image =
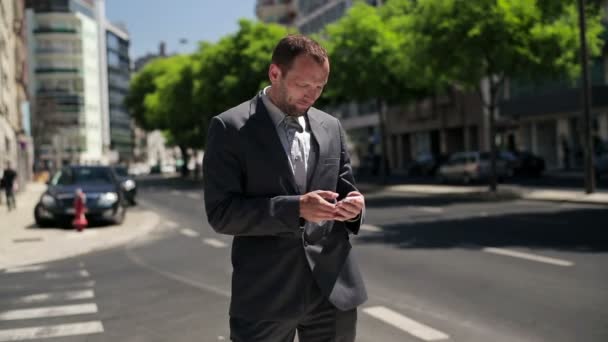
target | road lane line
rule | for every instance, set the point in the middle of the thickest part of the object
(175, 193)
(215, 243)
(50, 311)
(370, 228)
(172, 224)
(528, 256)
(189, 232)
(49, 331)
(434, 210)
(194, 195)
(33, 268)
(55, 296)
(408, 325)
(56, 275)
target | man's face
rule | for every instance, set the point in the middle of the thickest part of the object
(297, 89)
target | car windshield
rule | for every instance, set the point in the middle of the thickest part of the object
(121, 171)
(82, 176)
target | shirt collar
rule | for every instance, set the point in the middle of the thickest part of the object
(276, 115)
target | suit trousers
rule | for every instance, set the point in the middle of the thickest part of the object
(320, 322)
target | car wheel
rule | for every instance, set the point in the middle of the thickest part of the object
(119, 217)
(466, 179)
(40, 222)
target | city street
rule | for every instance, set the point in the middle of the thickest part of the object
(437, 268)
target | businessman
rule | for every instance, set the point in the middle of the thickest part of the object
(277, 177)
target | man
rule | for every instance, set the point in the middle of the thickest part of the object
(277, 177)
(8, 182)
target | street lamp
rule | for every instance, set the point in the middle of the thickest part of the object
(588, 145)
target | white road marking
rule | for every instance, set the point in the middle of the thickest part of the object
(408, 325)
(528, 256)
(194, 195)
(370, 228)
(55, 296)
(175, 192)
(434, 210)
(171, 224)
(33, 268)
(50, 311)
(49, 331)
(215, 243)
(90, 283)
(56, 275)
(189, 232)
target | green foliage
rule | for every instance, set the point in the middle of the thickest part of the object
(367, 60)
(234, 69)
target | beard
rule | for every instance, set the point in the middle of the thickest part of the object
(282, 102)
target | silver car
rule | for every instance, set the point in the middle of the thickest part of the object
(467, 167)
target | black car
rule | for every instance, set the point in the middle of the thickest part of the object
(104, 196)
(528, 164)
(128, 184)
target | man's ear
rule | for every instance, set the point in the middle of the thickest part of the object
(274, 73)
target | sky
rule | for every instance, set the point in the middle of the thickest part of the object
(150, 21)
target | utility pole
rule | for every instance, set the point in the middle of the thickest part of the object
(588, 145)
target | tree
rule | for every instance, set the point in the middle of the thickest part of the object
(471, 42)
(161, 97)
(234, 69)
(368, 62)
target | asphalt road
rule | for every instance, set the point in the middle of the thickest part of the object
(436, 269)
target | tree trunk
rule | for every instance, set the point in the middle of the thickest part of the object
(185, 159)
(384, 168)
(493, 156)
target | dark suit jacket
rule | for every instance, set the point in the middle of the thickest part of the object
(250, 193)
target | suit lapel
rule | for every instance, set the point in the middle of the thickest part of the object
(321, 138)
(265, 132)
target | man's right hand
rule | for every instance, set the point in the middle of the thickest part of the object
(317, 206)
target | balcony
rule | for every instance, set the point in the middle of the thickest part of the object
(57, 70)
(60, 30)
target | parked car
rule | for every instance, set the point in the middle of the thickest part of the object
(528, 164)
(601, 166)
(467, 167)
(426, 165)
(127, 182)
(104, 196)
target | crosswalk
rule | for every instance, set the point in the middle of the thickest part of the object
(46, 303)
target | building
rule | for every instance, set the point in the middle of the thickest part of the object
(282, 12)
(549, 116)
(119, 71)
(15, 139)
(67, 87)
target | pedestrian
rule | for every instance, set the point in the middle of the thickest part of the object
(8, 183)
(277, 177)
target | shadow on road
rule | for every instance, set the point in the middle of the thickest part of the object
(581, 229)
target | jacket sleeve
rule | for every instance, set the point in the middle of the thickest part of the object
(229, 210)
(346, 183)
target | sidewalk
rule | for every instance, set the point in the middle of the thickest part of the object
(23, 243)
(504, 191)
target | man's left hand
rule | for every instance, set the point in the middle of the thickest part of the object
(350, 207)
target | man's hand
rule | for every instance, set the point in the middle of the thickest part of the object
(317, 206)
(350, 207)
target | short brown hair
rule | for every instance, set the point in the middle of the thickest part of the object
(295, 45)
